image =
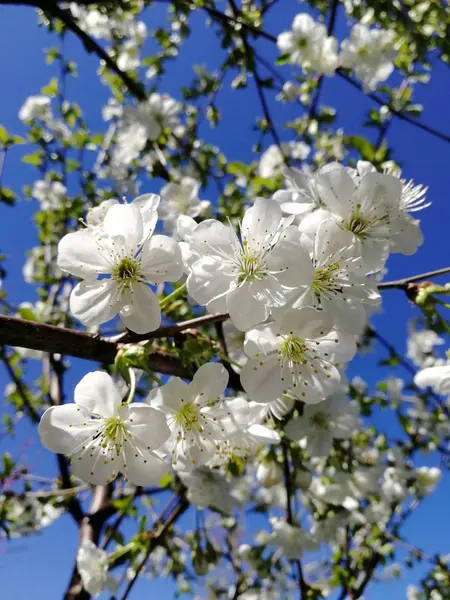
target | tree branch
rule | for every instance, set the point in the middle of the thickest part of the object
(155, 538)
(52, 339)
(90, 529)
(400, 115)
(402, 284)
(302, 584)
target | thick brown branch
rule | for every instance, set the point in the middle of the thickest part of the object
(58, 340)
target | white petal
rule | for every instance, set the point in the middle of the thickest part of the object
(438, 378)
(94, 302)
(305, 323)
(161, 260)
(147, 205)
(290, 263)
(263, 435)
(62, 428)
(320, 444)
(92, 467)
(213, 238)
(98, 394)
(79, 253)
(212, 380)
(207, 281)
(260, 340)
(171, 395)
(261, 379)
(147, 469)
(141, 312)
(337, 190)
(244, 308)
(260, 223)
(125, 221)
(146, 425)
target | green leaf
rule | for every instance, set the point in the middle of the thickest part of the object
(33, 159)
(283, 59)
(3, 136)
(237, 168)
(51, 89)
(27, 314)
(7, 196)
(364, 147)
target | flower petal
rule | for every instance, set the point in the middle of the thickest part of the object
(245, 309)
(211, 380)
(146, 469)
(80, 254)
(169, 397)
(125, 221)
(98, 394)
(261, 379)
(147, 426)
(161, 260)
(260, 223)
(141, 312)
(63, 428)
(94, 302)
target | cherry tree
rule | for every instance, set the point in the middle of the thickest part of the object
(217, 303)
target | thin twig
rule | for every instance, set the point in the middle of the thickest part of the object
(401, 284)
(155, 539)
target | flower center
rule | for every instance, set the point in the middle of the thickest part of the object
(114, 433)
(293, 349)
(320, 420)
(363, 51)
(127, 272)
(251, 267)
(324, 279)
(302, 43)
(187, 417)
(363, 226)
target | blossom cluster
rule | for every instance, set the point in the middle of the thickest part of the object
(369, 52)
(298, 280)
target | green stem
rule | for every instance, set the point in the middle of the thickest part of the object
(228, 360)
(132, 391)
(165, 301)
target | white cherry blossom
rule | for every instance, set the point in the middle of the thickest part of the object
(340, 286)
(208, 488)
(116, 261)
(181, 199)
(145, 122)
(104, 437)
(196, 415)
(247, 277)
(309, 45)
(364, 211)
(336, 418)
(245, 432)
(50, 194)
(291, 539)
(370, 53)
(273, 159)
(300, 195)
(92, 565)
(36, 107)
(295, 355)
(437, 378)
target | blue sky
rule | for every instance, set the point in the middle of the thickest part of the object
(47, 559)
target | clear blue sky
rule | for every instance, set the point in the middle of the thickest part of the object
(38, 568)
